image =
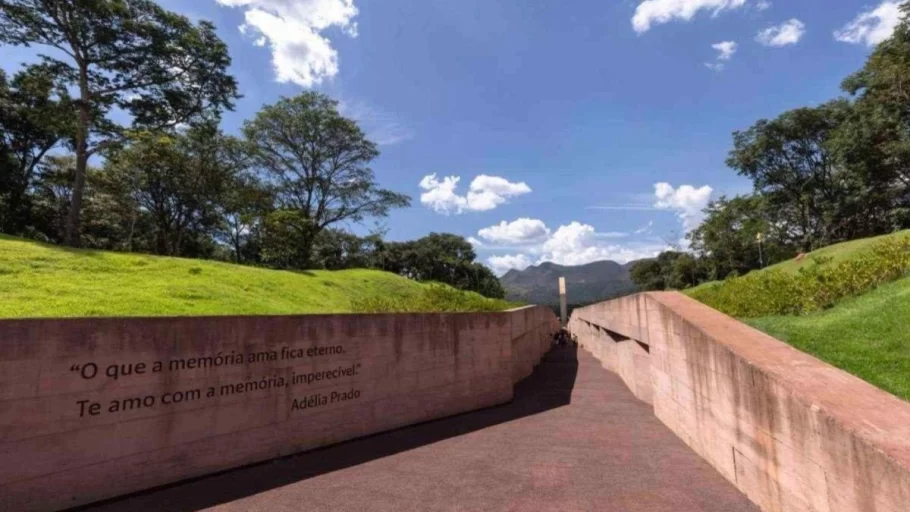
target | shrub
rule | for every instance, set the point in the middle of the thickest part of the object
(434, 299)
(815, 287)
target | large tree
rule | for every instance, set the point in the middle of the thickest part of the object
(319, 165)
(875, 141)
(132, 55)
(33, 120)
(791, 161)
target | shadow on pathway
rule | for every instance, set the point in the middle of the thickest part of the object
(574, 438)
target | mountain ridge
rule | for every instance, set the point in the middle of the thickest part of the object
(592, 282)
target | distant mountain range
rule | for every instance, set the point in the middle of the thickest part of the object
(585, 284)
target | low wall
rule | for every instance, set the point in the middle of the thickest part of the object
(95, 408)
(791, 432)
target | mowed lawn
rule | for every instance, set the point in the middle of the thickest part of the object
(868, 336)
(38, 280)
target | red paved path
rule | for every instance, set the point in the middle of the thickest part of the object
(574, 438)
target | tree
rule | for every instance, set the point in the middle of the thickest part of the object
(727, 240)
(178, 181)
(33, 120)
(791, 162)
(875, 142)
(128, 54)
(669, 270)
(318, 164)
(246, 202)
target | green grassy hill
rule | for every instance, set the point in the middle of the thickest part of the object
(837, 252)
(38, 280)
(867, 335)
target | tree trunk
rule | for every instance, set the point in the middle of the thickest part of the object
(74, 217)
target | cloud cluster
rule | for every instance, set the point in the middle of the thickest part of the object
(571, 244)
(293, 29)
(657, 12)
(485, 193)
(520, 231)
(787, 33)
(872, 27)
(687, 201)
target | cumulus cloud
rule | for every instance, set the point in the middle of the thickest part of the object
(657, 12)
(502, 264)
(520, 231)
(485, 193)
(787, 33)
(725, 52)
(872, 27)
(293, 29)
(579, 244)
(687, 201)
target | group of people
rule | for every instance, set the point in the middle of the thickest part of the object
(562, 338)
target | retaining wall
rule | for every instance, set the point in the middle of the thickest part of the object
(95, 408)
(791, 432)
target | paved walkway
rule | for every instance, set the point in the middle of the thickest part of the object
(574, 438)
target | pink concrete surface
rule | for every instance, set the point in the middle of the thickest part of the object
(573, 439)
(87, 414)
(791, 432)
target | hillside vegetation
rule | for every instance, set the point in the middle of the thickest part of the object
(39, 280)
(867, 336)
(847, 304)
(819, 281)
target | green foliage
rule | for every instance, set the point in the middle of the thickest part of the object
(727, 241)
(133, 55)
(39, 280)
(671, 270)
(318, 163)
(434, 298)
(814, 287)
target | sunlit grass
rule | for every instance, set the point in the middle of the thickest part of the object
(868, 336)
(38, 280)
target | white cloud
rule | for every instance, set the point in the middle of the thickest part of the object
(475, 242)
(763, 5)
(502, 264)
(383, 128)
(726, 49)
(687, 201)
(579, 244)
(788, 32)
(872, 27)
(520, 231)
(485, 193)
(293, 29)
(657, 12)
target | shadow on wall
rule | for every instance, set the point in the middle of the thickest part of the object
(549, 387)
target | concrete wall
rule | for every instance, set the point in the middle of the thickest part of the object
(791, 432)
(94, 408)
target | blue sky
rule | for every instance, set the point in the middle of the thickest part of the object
(565, 116)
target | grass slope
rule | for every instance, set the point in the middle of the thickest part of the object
(38, 280)
(867, 336)
(837, 253)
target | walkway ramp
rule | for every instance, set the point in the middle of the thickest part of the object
(574, 438)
